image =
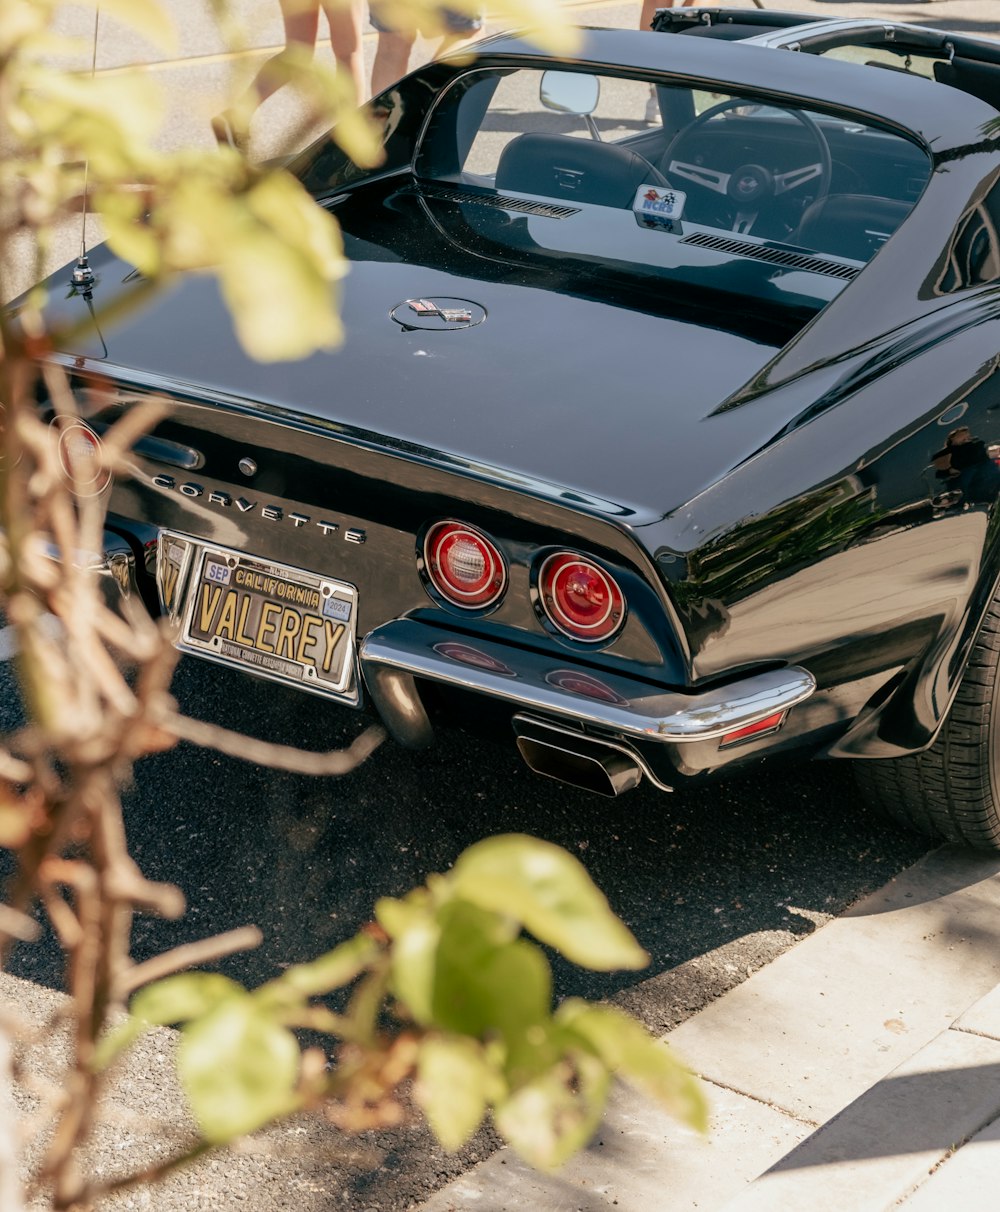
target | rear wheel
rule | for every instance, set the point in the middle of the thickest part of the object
(952, 790)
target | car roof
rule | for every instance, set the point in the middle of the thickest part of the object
(728, 23)
(943, 118)
(768, 26)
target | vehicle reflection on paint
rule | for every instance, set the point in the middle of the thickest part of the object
(967, 469)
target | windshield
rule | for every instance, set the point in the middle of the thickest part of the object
(619, 176)
(678, 157)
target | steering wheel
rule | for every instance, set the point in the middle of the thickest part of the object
(750, 188)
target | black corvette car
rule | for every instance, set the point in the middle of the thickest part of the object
(665, 429)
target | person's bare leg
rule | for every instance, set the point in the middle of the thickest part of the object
(301, 20)
(344, 18)
(392, 56)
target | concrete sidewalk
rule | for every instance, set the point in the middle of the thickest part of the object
(859, 1072)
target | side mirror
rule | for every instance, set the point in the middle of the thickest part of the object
(570, 92)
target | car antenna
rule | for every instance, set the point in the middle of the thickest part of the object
(83, 276)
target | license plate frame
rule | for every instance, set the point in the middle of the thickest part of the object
(274, 620)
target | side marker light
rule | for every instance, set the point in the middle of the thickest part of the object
(769, 724)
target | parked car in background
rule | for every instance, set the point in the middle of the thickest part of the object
(668, 446)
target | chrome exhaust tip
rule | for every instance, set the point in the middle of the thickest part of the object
(575, 759)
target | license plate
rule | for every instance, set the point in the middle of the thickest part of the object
(283, 623)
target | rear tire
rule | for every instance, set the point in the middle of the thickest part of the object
(952, 789)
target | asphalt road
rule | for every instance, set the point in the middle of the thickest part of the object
(713, 883)
(767, 855)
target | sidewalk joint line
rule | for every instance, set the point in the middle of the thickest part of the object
(971, 1031)
(948, 1154)
(925, 1179)
(755, 1098)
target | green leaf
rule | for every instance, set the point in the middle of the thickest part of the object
(176, 999)
(455, 1083)
(397, 916)
(462, 968)
(282, 205)
(131, 240)
(414, 966)
(108, 119)
(628, 1049)
(507, 990)
(356, 132)
(330, 971)
(366, 1005)
(182, 997)
(238, 1068)
(281, 307)
(533, 1052)
(23, 23)
(281, 259)
(547, 1120)
(546, 889)
(541, 21)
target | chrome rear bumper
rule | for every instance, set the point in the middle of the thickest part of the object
(394, 655)
(114, 567)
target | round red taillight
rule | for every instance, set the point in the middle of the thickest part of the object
(579, 598)
(464, 566)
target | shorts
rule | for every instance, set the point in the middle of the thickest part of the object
(454, 23)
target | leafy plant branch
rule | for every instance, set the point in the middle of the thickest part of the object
(443, 995)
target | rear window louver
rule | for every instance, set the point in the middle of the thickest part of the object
(774, 256)
(498, 202)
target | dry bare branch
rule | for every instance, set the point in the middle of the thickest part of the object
(190, 955)
(19, 926)
(277, 757)
(92, 1192)
(13, 769)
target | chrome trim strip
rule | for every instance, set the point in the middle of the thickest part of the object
(134, 381)
(638, 710)
(114, 565)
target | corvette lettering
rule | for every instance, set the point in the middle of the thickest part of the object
(269, 513)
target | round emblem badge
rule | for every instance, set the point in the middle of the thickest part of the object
(81, 460)
(438, 315)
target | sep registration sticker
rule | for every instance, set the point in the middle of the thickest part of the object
(658, 204)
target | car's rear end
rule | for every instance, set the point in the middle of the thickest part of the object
(466, 505)
(296, 528)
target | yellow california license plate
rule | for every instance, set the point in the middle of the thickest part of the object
(281, 622)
